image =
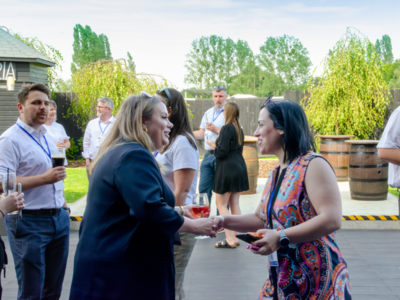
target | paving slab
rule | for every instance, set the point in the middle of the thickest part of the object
(238, 274)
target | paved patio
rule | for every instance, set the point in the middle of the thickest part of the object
(237, 274)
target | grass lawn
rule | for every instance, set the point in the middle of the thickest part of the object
(76, 184)
(394, 191)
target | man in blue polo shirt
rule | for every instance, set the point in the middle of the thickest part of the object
(210, 126)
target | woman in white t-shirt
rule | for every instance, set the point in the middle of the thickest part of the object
(179, 162)
(56, 130)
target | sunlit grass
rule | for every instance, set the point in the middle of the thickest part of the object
(76, 184)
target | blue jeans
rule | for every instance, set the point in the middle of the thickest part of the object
(39, 245)
(207, 171)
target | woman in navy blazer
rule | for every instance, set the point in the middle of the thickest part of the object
(125, 250)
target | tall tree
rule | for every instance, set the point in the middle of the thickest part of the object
(131, 63)
(351, 96)
(211, 62)
(287, 58)
(384, 49)
(88, 47)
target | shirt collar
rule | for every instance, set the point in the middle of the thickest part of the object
(31, 130)
(219, 110)
(110, 120)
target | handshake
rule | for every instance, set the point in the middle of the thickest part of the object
(200, 224)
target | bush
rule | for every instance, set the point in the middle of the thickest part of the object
(73, 152)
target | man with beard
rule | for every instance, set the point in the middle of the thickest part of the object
(97, 130)
(39, 240)
(210, 126)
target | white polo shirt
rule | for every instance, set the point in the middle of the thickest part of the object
(215, 117)
(391, 139)
(57, 132)
(95, 133)
(181, 155)
(21, 154)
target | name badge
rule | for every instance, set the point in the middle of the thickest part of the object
(59, 185)
(99, 141)
(273, 259)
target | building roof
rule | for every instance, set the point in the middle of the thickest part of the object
(12, 49)
(241, 96)
(199, 92)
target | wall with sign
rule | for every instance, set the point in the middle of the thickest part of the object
(23, 73)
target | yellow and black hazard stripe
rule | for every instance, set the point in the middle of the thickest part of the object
(344, 218)
(370, 218)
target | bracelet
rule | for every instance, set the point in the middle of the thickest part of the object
(2, 213)
(183, 211)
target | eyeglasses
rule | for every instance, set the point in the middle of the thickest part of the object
(166, 92)
(101, 107)
(220, 87)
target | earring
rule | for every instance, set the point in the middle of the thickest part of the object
(145, 130)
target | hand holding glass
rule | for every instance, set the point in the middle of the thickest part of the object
(58, 157)
(202, 210)
(9, 184)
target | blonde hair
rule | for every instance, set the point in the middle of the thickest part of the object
(232, 116)
(128, 125)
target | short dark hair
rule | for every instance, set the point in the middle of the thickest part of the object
(289, 117)
(27, 88)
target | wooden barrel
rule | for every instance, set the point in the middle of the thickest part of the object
(368, 174)
(336, 151)
(250, 155)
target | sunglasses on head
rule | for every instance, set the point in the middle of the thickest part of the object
(166, 92)
(146, 94)
(220, 87)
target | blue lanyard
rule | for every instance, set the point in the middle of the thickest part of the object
(48, 153)
(102, 131)
(155, 154)
(214, 118)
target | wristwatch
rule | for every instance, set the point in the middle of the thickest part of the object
(283, 240)
(67, 209)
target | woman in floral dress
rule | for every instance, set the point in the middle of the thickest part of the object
(301, 203)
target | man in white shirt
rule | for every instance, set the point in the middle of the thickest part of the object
(389, 149)
(98, 129)
(210, 126)
(40, 240)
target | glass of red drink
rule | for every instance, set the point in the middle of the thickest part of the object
(201, 210)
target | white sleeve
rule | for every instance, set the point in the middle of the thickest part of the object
(391, 135)
(9, 158)
(65, 136)
(184, 155)
(86, 142)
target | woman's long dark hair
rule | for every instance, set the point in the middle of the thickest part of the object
(289, 117)
(179, 116)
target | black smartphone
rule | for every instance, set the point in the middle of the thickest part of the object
(247, 237)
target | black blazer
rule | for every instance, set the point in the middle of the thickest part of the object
(125, 248)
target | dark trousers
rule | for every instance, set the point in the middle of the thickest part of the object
(39, 245)
(207, 171)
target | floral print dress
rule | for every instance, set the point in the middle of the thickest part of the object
(313, 270)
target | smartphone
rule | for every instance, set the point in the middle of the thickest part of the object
(249, 237)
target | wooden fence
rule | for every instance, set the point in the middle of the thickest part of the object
(249, 110)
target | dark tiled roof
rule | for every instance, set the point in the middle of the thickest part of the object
(12, 49)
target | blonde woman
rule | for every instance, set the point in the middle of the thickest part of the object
(125, 249)
(231, 173)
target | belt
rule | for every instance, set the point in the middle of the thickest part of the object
(41, 212)
(210, 151)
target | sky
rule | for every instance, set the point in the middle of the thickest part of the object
(159, 33)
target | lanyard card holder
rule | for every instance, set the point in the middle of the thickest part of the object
(273, 258)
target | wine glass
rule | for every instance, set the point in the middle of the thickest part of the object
(202, 209)
(9, 184)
